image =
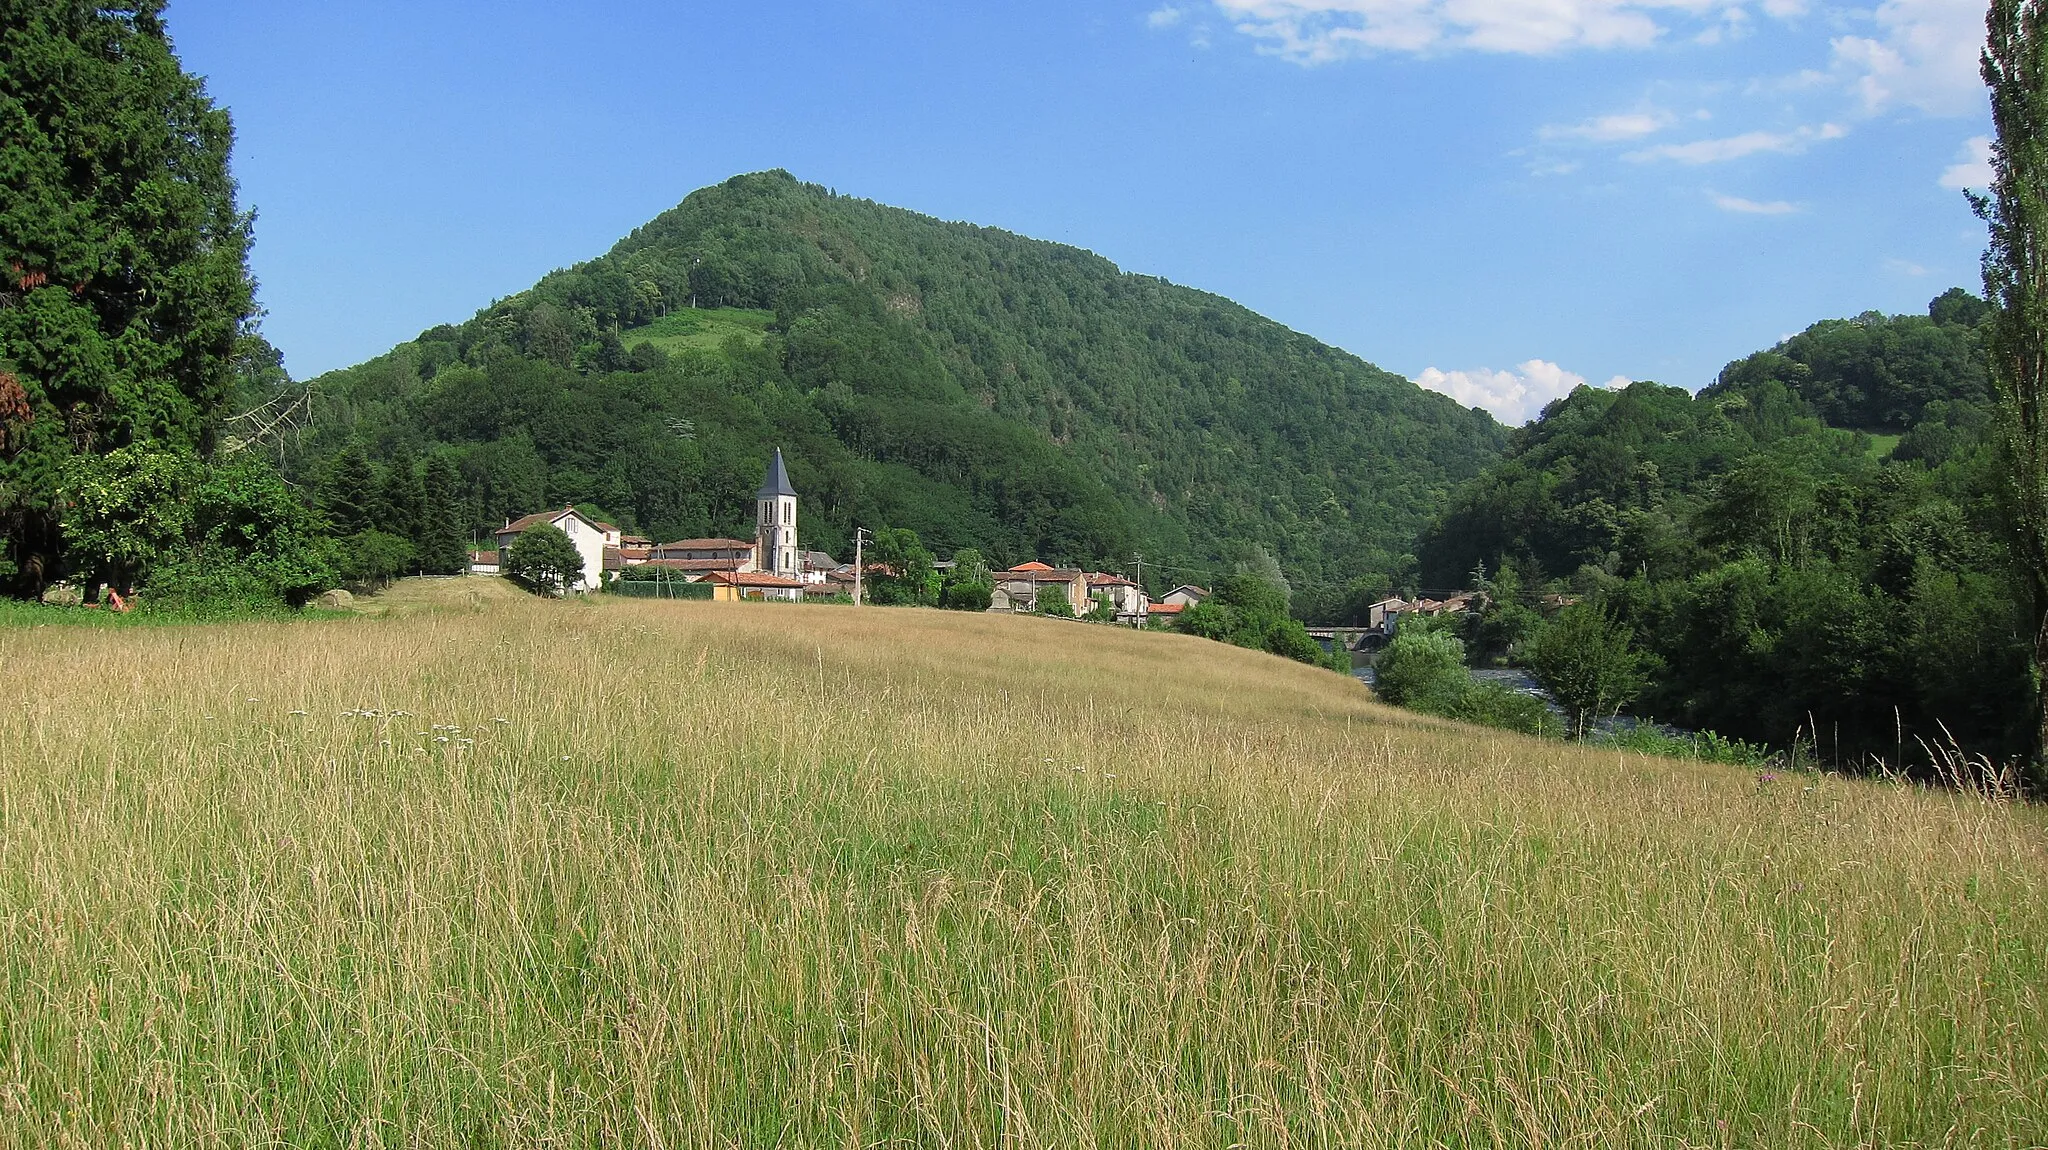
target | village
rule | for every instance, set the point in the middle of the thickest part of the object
(773, 566)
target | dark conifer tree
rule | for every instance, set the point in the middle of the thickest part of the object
(123, 273)
(348, 492)
(401, 499)
(443, 545)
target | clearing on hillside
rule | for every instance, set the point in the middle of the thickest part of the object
(526, 873)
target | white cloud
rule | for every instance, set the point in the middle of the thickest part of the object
(1752, 207)
(1974, 169)
(1904, 267)
(1514, 397)
(1925, 56)
(1736, 147)
(1164, 17)
(1321, 31)
(1611, 128)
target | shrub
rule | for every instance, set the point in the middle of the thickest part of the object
(1288, 639)
(1052, 600)
(1423, 670)
(1494, 705)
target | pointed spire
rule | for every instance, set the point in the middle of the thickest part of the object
(776, 482)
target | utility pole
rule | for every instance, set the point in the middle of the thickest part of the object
(859, 568)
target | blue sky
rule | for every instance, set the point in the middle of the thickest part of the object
(1497, 198)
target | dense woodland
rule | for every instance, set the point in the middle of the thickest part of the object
(982, 389)
(1809, 549)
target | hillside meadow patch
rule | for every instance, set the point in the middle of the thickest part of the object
(491, 871)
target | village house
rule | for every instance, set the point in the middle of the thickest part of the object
(1164, 613)
(1018, 589)
(732, 586)
(738, 552)
(590, 537)
(1185, 595)
(1126, 598)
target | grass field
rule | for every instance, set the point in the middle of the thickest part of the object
(701, 328)
(488, 871)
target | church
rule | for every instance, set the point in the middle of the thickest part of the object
(772, 566)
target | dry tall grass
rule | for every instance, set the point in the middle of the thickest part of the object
(683, 874)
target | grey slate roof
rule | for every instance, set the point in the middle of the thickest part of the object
(776, 482)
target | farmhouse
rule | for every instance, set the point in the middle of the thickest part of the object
(590, 537)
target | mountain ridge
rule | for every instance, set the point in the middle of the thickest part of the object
(1022, 396)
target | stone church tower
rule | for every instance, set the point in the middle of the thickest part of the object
(775, 549)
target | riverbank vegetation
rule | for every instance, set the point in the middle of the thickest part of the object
(597, 873)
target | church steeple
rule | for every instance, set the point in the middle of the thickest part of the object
(775, 548)
(776, 482)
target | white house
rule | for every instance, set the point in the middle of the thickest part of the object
(589, 536)
(1125, 597)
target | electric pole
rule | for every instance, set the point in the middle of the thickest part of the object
(859, 568)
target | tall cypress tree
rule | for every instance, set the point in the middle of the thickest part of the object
(2015, 66)
(123, 257)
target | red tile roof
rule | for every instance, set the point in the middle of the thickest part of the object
(1034, 565)
(1036, 573)
(752, 579)
(695, 564)
(709, 545)
(1165, 608)
(483, 557)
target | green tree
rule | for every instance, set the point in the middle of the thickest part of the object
(372, 559)
(968, 586)
(127, 509)
(543, 559)
(123, 276)
(2015, 66)
(247, 523)
(1052, 600)
(1422, 669)
(1589, 663)
(910, 580)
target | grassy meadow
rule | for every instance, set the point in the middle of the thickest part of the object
(488, 871)
(702, 329)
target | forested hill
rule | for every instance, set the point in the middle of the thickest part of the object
(1811, 544)
(980, 387)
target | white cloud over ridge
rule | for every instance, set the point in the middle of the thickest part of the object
(1514, 397)
(1973, 170)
